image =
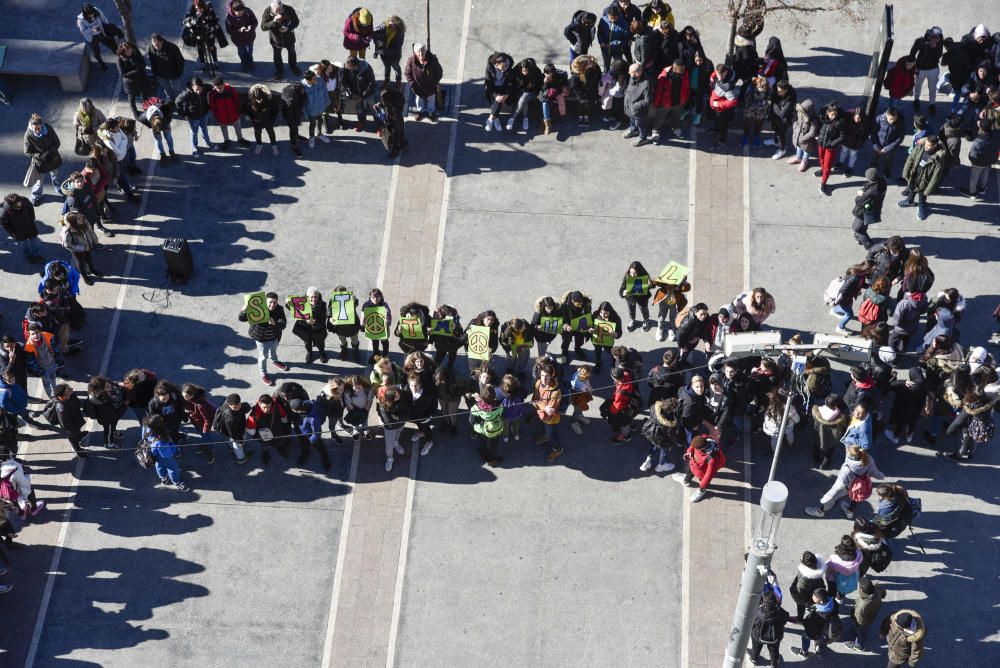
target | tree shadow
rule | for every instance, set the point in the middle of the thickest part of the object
(831, 61)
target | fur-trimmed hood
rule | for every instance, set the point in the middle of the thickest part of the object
(813, 573)
(840, 421)
(918, 635)
(662, 417)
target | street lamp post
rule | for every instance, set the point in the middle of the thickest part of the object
(773, 497)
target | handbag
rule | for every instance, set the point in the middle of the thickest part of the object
(31, 176)
(81, 147)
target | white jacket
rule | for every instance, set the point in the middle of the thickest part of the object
(117, 141)
(91, 28)
(20, 479)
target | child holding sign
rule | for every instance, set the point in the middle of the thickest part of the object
(344, 321)
(414, 320)
(446, 333)
(575, 305)
(311, 329)
(517, 341)
(607, 327)
(473, 355)
(635, 290)
(546, 323)
(378, 337)
(669, 298)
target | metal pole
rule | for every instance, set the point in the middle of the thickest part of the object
(781, 438)
(429, 25)
(773, 497)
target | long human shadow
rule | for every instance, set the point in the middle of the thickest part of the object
(831, 61)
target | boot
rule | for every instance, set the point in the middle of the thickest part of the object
(548, 126)
(343, 353)
(356, 354)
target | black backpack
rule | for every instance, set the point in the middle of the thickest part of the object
(881, 558)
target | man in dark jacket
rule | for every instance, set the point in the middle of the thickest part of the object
(887, 135)
(927, 51)
(695, 327)
(80, 197)
(192, 104)
(132, 69)
(868, 206)
(888, 259)
(41, 144)
(17, 215)
(241, 24)
(904, 633)
(167, 64)
(923, 172)
(66, 412)
(580, 33)
(231, 421)
(781, 113)
(293, 101)
(692, 405)
(423, 72)
(768, 629)
(280, 21)
(638, 97)
(359, 86)
(646, 47)
(982, 157)
(267, 335)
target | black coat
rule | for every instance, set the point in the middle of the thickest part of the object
(420, 408)
(231, 423)
(133, 72)
(70, 414)
(44, 150)
(871, 198)
(783, 107)
(831, 133)
(492, 87)
(172, 411)
(691, 330)
(692, 407)
(293, 101)
(769, 625)
(360, 84)
(579, 36)
(166, 63)
(192, 105)
(264, 331)
(289, 19)
(20, 225)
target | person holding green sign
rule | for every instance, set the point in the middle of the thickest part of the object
(607, 327)
(312, 331)
(412, 327)
(669, 300)
(379, 346)
(574, 305)
(344, 321)
(517, 339)
(484, 319)
(446, 334)
(267, 335)
(635, 289)
(546, 323)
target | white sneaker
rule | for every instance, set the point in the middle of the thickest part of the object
(496, 124)
(778, 155)
(324, 139)
(655, 136)
(517, 437)
(489, 125)
(388, 464)
(577, 429)
(671, 335)
(698, 495)
(274, 150)
(312, 142)
(427, 448)
(258, 149)
(399, 449)
(584, 419)
(847, 510)
(678, 133)
(843, 332)
(510, 124)
(524, 123)
(646, 465)
(665, 467)
(891, 436)
(506, 439)
(679, 478)
(660, 334)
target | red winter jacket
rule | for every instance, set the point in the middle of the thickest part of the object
(620, 399)
(201, 413)
(705, 464)
(899, 80)
(664, 89)
(225, 106)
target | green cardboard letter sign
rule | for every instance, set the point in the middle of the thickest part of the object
(342, 309)
(442, 327)
(636, 286)
(550, 324)
(411, 328)
(255, 306)
(375, 323)
(604, 333)
(479, 342)
(582, 323)
(673, 274)
(302, 309)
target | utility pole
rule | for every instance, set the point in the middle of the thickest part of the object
(773, 497)
(428, 7)
(125, 9)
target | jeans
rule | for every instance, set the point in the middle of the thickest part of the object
(279, 67)
(882, 162)
(802, 155)
(920, 197)
(168, 468)
(848, 156)
(643, 304)
(931, 77)
(551, 434)
(640, 125)
(39, 185)
(265, 350)
(979, 179)
(663, 455)
(522, 105)
(171, 88)
(49, 381)
(196, 124)
(426, 105)
(820, 643)
(158, 138)
(518, 360)
(391, 437)
(846, 312)
(245, 52)
(30, 247)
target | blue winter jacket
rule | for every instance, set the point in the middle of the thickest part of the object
(312, 422)
(317, 99)
(859, 434)
(163, 450)
(887, 135)
(13, 398)
(72, 276)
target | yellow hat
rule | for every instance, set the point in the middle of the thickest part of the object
(365, 17)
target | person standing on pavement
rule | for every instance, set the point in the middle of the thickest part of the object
(139, 385)
(132, 69)
(423, 73)
(904, 632)
(293, 104)
(868, 206)
(580, 33)
(638, 98)
(317, 100)
(822, 615)
(280, 21)
(267, 336)
(781, 115)
(723, 101)
(886, 137)
(164, 452)
(358, 31)
(112, 134)
(41, 145)
(768, 629)
(619, 410)
(167, 65)
(867, 603)
(313, 330)
(486, 418)
(231, 421)
(388, 38)
(923, 172)
(671, 99)
(359, 86)
(704, 458)
(79, 239)
(391, 412)
(546, 399)
(982, 156)
(927, 52)
(241, 24)
(96, 30)
(224, 102)
(828, 141)
(17, 216)
(65, 412)
(106, 405)
(201, 414)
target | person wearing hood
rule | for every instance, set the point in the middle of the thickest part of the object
(17, 216)
(781, 114)
(664, 432)
(500, 87)
(904, 633)
(979, 42)
(974, 423)
(241, 24)
(768, 629)
(927, 51)
(723, 100)
(875, 552)
(41, 145)
(804, 132)
(808, 578)
(280, 21)
(166, 62)
(704, 458)
(830, 422)
(656, 12)
(157, 118)
(773, 66)
(820, 619)
(580, 33)
(910, 395)
(261, 107)
(868, 206)
(358, 31)
(868, 602)
(828, 141)
(982, 156)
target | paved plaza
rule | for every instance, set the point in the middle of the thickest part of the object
(443, 561)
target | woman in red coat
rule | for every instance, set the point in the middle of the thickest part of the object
(224, 102)
(358, 32)
(619, 412)
(704, 458)
(899, 80)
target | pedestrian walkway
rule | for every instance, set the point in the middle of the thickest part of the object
(714, 529)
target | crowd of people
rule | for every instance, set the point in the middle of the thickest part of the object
(652, 78)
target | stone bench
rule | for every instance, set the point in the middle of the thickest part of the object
(37, 57)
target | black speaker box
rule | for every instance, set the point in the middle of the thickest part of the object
(180, 264)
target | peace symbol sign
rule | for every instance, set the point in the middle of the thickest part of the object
(479, 343)
(375, 323)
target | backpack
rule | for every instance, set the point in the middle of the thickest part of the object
(634, 403)
(980, 429)
(8, 493)
(765, 634)
(144, 453)
(832, 293)
(491, 423)
(50, 414)
(860, 488)
(868, 313)
(881, 558)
